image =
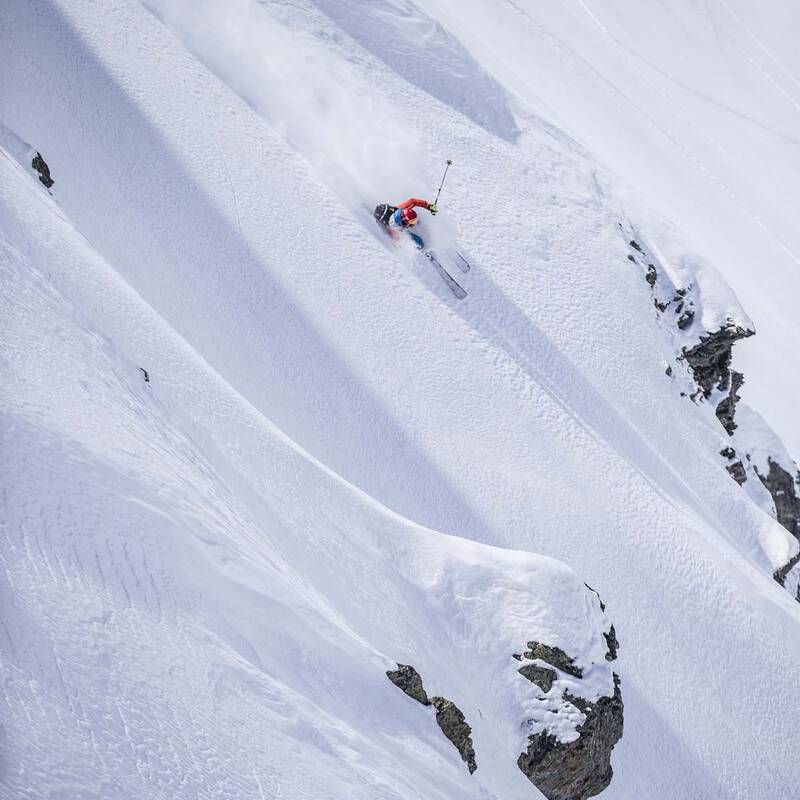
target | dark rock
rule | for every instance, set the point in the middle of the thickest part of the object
(554, 656)
(651, 275)
(581, 768)
(710, 362)
(405, 677)
(781, 485)
(635, 245)
(726, 409)
(668, 371)
(613, 644)
(455, 728)
(737, 472)
(736, 468)
(631, 258)
(145, 374)
(448, 716)
(710, 359)
(783, 489)
(41, 167)
(541, 676)
(582, 705)
(686, 319)
(662, 307)
(685, 308)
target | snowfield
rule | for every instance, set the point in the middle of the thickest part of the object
(254, 457)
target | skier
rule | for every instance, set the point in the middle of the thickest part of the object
(394, 219)
(401, 218)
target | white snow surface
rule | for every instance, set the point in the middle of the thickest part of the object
(760, 442)
(336, 466)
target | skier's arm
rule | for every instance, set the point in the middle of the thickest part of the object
(415, 201)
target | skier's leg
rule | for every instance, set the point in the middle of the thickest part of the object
(417, 240)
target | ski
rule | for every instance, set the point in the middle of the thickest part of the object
(462, 263)
(454, 286)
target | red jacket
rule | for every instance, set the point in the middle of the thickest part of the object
(414, 201)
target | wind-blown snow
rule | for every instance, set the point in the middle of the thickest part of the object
(336, 466)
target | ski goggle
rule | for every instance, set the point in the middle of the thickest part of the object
(412, 221)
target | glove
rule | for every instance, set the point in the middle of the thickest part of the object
(432, 208)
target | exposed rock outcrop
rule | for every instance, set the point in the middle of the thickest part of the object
(405, 677)
(783, 488)
(455, 728)
(553, 655)
(573, 718)
(710, 362)
(709, 359)
(541, 676)
(735, 466)
(449, 717)
(613, 644)
(581, 768)
(40, 165)
(726, 409)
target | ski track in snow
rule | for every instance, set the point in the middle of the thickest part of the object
(208, 574)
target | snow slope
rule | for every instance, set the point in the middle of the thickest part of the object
(176, 627)
(335, 466)
(697, 106)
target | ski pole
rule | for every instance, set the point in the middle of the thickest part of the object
(449, 162)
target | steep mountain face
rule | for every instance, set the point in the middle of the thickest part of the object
(282, 517)
(709, 361)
